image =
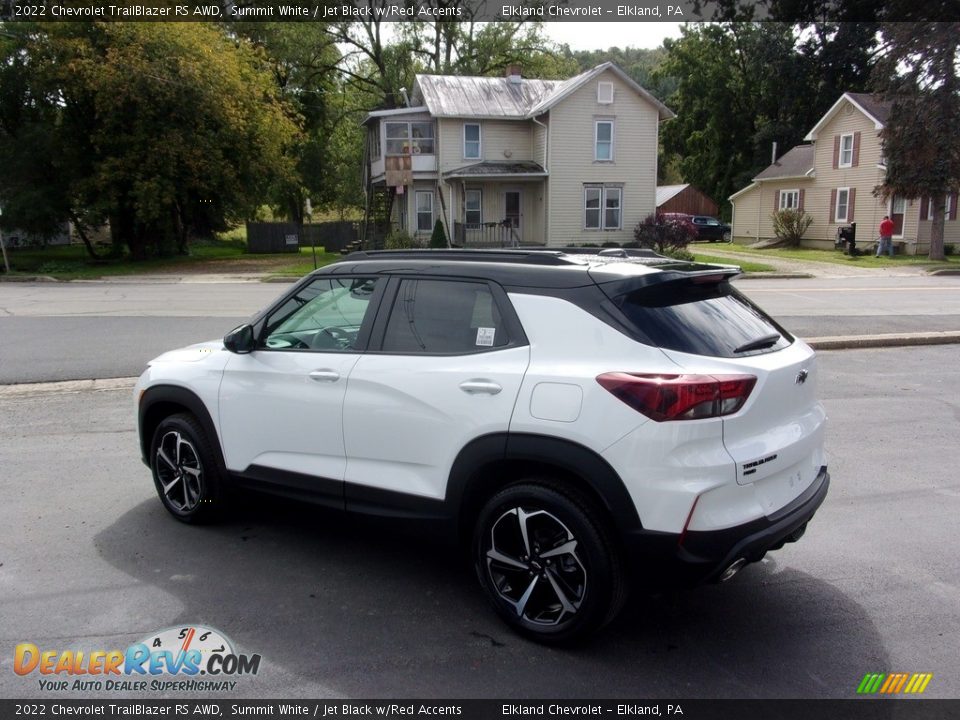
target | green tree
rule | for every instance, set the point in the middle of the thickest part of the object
(918, 70)
(166, 130)
(742, 86)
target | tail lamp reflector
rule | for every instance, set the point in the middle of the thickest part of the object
(680, 397)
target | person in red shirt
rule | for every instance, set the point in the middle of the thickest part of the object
(886, 236)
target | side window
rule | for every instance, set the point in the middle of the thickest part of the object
(444, 317)
(325, 315)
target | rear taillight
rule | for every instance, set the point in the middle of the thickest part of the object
(680, 397)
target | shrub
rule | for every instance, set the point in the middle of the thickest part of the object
(680, 254)
(949, 249)
(790, 225)
(438, 239)
(398, 240)
(661, 233)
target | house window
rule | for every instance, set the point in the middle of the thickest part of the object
(602, 207)
(789, 199)
(603, 140)
(398, 138)
(375, 143)
(473, 208)
(846, 151)
(604, 93)
(424, 211)
(843, 205)
(471, 141)
(931, 206)
(421, 138)
(409, 138)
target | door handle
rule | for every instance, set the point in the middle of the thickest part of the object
(480, 387)
(324, 375)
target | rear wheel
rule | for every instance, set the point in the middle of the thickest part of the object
(185, 471)
(547, 563)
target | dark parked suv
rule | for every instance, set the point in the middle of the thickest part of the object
(708, 228)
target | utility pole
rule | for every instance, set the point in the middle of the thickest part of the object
(3, 248)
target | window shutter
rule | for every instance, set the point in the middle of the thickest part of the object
(856, 149)
(953, 206)
(836, 152)
(924, 208)
(776, 201)
(833, 206)
(800, 200)
(851, 201)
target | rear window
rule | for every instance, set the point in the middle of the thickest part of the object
(703, 319)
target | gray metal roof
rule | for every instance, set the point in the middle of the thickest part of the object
(501, 97)
(488, 169)
(874, 105)
(480, 97)
(796, 162)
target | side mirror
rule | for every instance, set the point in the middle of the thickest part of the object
(240, 340)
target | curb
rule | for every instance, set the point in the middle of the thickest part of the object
(943, 271)
(67, 386)
(855, 342)
(775, 275)
(28, 278)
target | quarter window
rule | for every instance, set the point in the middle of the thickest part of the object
(471, 141)
(603, 140)
(444, 317)
(325, 315)
(424, 211)
(846, 151)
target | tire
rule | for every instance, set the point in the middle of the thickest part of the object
(727, 237)
(185, 471)
(547, 562)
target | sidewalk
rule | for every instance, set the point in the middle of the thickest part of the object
(812, 268)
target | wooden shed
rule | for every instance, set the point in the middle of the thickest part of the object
(684, 199)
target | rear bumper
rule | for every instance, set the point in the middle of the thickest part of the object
(698, 557)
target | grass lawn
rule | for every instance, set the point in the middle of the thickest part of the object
(71, 262)
(838, 258)
(745, 265)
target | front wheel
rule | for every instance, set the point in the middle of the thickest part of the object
(728, 237)
(547, 562)
(185, 472)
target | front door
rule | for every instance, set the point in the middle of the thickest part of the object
(513, 215)
(897, 206)
(281, 405)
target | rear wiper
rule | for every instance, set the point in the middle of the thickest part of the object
(763, 341)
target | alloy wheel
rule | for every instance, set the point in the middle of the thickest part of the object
(180, 472)
(533, 565)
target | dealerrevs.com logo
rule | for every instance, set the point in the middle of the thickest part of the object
(193, 658)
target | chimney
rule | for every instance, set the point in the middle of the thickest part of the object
(773, 154)
(513, 73)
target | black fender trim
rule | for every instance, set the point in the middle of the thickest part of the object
(565, 455)
(171, 396)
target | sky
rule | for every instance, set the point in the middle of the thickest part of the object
(602, 35)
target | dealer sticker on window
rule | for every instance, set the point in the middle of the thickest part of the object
(485, 336)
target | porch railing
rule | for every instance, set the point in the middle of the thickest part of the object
(485, 235)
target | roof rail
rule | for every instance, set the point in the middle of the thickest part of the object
(523, 256)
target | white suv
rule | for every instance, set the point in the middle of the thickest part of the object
(576, 419)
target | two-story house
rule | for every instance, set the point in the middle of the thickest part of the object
(510, 160)
(832, 179)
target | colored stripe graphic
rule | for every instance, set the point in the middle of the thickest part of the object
(894, 683)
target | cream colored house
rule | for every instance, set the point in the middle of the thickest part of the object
(510, 160)
(832, 178)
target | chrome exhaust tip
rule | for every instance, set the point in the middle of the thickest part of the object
(734, 568)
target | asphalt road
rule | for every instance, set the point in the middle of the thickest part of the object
(74, 331)
(340, 607)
